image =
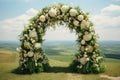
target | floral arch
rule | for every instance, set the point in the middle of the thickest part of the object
(32, 57)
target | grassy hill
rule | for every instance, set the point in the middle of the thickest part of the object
(60, 54)
(111, 49)
(59, 70)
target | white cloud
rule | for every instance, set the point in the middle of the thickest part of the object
(31, 12)
(60, 33)
(111, 10)
(11, 28)
(107, 23)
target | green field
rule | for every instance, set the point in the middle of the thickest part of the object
(59, 70)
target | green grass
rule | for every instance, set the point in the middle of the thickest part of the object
(59, 70)
(112, 68)
(64, 58)
(112, 60)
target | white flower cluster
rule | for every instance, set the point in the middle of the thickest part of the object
(84, 24)
(87, 37)
(33, 34)
(18, 50)
(37, 45)
(36, 56)
(73, 12)
(89, 49)
(78, 21)
(27, 45)
(30, 53)
(64, 8)
(80, 17)
(52, 12)
(42, 18)
(84, 59)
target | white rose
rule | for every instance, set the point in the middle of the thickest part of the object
(42, 18)
(27, 45)
(76, 23)
(83, 60)
(33, 34)
(80, 17)
(64, 8)
(89, 49)
(37, 45)
(87, 37)
(83, 42)
(52, 12)
(30, 53)
(84, 24)
(18, 49)
(73, 12)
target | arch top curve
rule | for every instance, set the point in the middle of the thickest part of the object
(59, 14)
(31, 52)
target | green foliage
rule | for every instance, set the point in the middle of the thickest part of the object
(31, 65)
(95, 68)
(39, 67)
(73, 65)
(102, 68)
(86, 68)
(46, 67)
(78, 9)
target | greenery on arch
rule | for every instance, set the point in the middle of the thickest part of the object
(32, 57)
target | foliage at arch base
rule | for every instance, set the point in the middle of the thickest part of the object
(33, 59)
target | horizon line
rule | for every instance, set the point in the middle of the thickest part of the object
(50, 40)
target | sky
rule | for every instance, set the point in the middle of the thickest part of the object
(14, 14)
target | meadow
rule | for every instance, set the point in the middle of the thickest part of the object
(59, 58)
(59, 70)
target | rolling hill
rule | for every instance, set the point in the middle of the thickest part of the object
(111, 49)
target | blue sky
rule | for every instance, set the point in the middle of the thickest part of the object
(105, 14)
(13, 8)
